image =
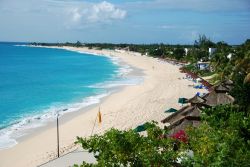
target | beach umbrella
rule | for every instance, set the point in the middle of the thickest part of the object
(198, 94)
(171, 110)
(182, 100)
(140, 128)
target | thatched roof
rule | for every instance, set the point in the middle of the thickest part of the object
(184, 122)
(182, 113)
(186, 116)
(192, 111)
(196, 100)
(175, 114)
(190, 115)
(228, 82)
(214, 98)
(221, 88)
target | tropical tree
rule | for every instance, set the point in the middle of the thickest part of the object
(179, 53)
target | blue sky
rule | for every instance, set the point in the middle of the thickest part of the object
(130, 21)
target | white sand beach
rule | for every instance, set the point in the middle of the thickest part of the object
(127, 108)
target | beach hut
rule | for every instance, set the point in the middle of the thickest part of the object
(221, 89)
(183, 112)
(216, 98)
(228, 84)
(170, 110)
(192, 111)
(218, 95)
(189, 117)
(174, 115)
(196, 100)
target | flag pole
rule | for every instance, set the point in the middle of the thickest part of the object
(97, 116)
(57, 125)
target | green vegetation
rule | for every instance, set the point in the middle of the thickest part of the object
(223, 138)
(128, 148)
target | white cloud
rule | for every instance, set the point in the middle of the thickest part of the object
(76, 16)
(167, 26)
(105, 11)
(102, 12)
(180, 27)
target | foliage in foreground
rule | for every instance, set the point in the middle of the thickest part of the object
(128, 148)
(223, 139)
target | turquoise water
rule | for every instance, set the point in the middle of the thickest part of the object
(36, 83)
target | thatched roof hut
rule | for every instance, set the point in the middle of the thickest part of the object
(215, 98)
(175, 114)
(192, 111)
(188, 117)
(228, 84)
(182, 113)
(221, 89)
(218, 95)
(196, 100)
(183, 123)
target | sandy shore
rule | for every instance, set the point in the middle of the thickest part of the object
(127, 108)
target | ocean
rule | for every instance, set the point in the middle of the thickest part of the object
(37, 83)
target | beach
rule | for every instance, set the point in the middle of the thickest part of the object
(127, 108)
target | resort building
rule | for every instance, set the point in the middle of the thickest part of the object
(186, 51)
(211, 51)
(203, 65)
(229, 56)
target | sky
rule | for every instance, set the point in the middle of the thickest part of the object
(124, 21)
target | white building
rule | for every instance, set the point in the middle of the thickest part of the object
(186, 51)
(229, 56)
(211, 50)
(203, 65)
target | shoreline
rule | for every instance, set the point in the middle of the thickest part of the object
(65, 117)
(125, 75)
(130, 106)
